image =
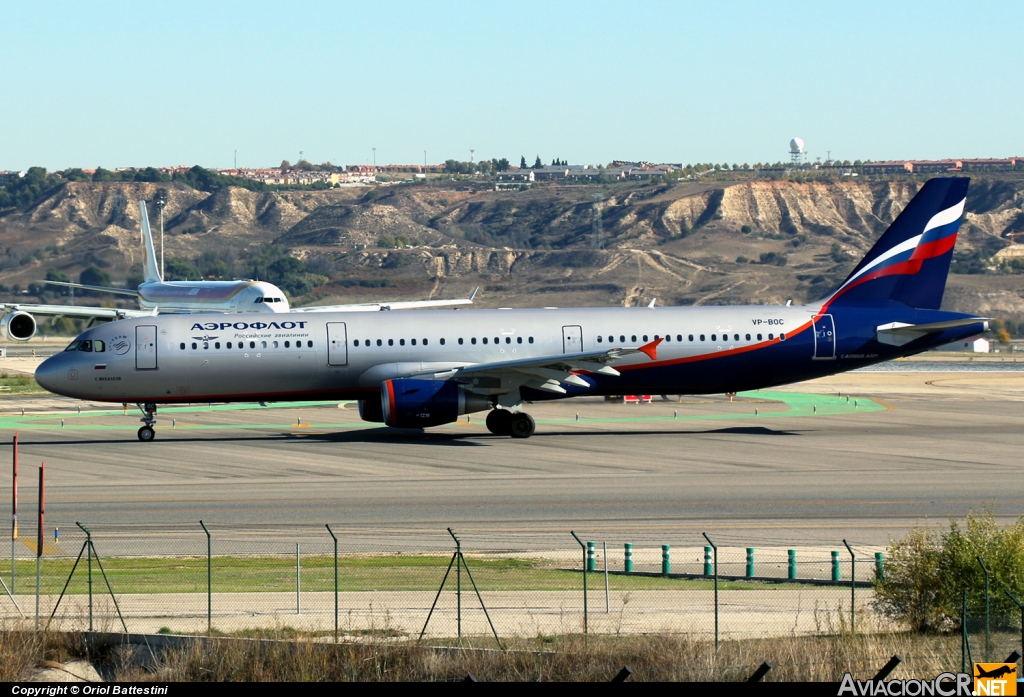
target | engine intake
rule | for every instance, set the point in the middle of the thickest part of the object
(412, 403)
(18, 325)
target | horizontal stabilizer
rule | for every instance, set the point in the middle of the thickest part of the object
(900, 333)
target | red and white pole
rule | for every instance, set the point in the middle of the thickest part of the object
(39, 540)
(14, 508)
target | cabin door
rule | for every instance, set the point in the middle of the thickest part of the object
(824, 338)
(337, 344)
(145, 347)
(572, 339)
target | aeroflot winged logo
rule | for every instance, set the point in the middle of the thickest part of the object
(222, 326)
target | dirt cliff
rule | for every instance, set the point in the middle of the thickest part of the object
(683, 243)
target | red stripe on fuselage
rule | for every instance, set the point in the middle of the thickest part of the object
(716, 354)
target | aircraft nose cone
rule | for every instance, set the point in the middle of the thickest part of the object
(51, 374)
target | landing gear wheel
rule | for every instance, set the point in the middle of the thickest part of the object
(522, 426)
(146, 434)
(499, 422)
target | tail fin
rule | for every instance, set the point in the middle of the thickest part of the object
(152, 268)
(910, 262)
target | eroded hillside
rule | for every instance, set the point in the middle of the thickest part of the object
(683, 243)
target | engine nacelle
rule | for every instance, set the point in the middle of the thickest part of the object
(412, 403)
(371, 410)
(18, 325)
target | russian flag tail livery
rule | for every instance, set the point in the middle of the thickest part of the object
(910, 263)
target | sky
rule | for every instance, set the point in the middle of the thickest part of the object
(119, 84)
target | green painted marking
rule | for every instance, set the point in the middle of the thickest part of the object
(798, 404)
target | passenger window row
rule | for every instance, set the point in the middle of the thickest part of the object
(241, 344)
(679, 338)
(425, 342)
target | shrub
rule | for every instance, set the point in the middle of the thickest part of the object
(927, 572)
(746, 229)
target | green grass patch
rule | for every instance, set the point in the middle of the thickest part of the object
(276, 573)
(18, 384)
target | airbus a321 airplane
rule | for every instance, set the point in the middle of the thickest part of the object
(421, 369)
(157, 296)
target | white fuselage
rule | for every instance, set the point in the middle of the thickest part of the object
(228, 297)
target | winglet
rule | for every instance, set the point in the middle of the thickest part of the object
(651, 349)
(652, 302)
(473, 294)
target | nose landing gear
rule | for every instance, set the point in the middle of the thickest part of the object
(146, 433)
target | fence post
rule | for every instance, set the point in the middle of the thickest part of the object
(707, 561)
(607, 598)
(750, 562)
(835, 566)
(298, 581)
(586, 628)
(88, 552)
(209, 581)
(714, 547)
(335, 583)
(988, 628)
(627, 564)
(666, 559)
(792, 564)
(1021, 607)
(853, 588)
(963, 632)
(591, 561)
(879, 566)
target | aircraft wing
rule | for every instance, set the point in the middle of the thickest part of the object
(385, 306)
(75, 311)
(547, 372)
(101, 289)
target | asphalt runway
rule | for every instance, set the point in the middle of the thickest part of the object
(809, 468)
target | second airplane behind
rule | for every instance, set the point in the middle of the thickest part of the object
(156, 296)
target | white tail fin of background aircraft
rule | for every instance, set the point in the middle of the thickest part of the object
(152, 269)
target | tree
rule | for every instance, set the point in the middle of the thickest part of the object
(94, 276)
(285, 164)
(522, 162)
(537, 164)
(501, 165)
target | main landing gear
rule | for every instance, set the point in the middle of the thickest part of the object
(502, 422)
(146, 433)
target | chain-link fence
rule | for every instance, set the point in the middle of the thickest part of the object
(363, 585)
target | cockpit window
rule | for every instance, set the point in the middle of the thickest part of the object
(98, 346)
(85, 346)
(258, 301)
(73, 346)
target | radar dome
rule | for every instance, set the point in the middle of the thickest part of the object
(796, 145)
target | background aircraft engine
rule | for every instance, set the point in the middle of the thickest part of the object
(19, 326)
(412, 403)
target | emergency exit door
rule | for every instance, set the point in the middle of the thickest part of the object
(572, 339)
(145, 347)
(337, 344)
